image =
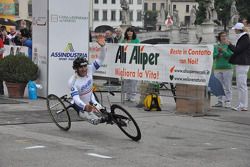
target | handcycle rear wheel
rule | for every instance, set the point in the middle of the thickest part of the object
(125, 122)
(58, 112)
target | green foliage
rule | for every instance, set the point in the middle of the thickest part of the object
(18, 69)
(201, 12)
(222, 7)
(243, 8)
(150, 20)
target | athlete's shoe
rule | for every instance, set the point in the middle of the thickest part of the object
(227, 104)
(219, 104)
(90, 117)
(239, 108)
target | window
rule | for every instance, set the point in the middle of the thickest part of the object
(154, 6)
(145, 6)
(187, 20)
(139, 16)
(104, 1)
(16, 8)
(30, 8)
(139, 2)
(113, 15)
(174, 7)
(96, 1)
(113, 1)
(131, 15)
(120, 15)
(105, 15)
(130, 2)
(163, 5)
(96, 15)
(187, 8)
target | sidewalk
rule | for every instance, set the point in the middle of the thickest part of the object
(38, 108)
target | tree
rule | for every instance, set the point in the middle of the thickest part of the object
(150, 20)
(222, 7)
(201, 12)
(243, 8)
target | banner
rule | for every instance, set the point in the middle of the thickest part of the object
(13, 50)
(185, 64)
(68, 39)
(7, 8)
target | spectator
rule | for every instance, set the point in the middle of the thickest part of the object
(241, 58)
(223, 70)
(23, 25)
(109, 37)
(130, 86)
(119, 36)
(4, 35)
(12, 34)
(26, 41)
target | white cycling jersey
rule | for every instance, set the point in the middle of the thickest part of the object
(81, 87)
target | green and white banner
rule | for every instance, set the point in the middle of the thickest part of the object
(186, 64)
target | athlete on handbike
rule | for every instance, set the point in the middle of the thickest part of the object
(81, 84)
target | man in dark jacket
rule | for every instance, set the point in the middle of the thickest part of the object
(241, 59)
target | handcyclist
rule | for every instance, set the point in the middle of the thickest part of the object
(81, 84)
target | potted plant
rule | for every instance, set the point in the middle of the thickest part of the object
(16, 71)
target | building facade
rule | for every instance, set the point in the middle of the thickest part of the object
(23, 9)
(184, 9)
(156, 5)
(108, 12)
(170, 6)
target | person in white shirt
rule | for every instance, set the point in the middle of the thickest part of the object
(12, 35)
(81, 84)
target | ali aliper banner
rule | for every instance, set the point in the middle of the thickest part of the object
(185, 64)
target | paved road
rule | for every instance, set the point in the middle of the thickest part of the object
(221, 139)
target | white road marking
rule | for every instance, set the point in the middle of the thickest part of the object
(234, 148)
(209, 144)
(99, 156)
(33, 147)
(22, 132)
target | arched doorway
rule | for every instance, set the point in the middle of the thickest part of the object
(103, 28)
(23, 24)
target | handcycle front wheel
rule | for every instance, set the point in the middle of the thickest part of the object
(125, 122)
(58, 112)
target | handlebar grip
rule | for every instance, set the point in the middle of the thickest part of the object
(64, 97)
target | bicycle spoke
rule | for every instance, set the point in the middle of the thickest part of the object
(125, 122)
(58, 112)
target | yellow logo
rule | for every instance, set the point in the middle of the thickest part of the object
(69, 48)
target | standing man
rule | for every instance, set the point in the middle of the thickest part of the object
(11, 36)
(109, 37)
(26, 41)
(119, 35)
(241, 59)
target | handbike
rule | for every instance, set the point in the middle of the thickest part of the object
(59, 112)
